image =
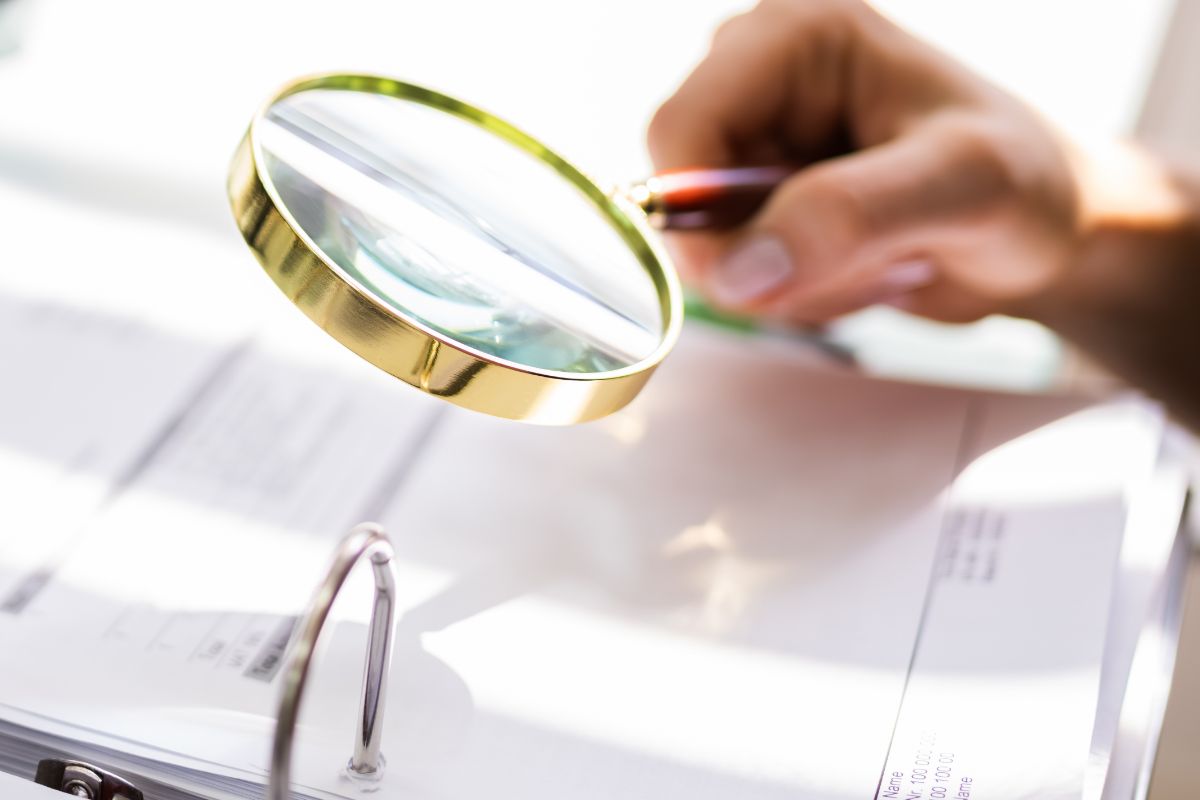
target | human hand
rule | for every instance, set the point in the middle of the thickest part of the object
(921, 184)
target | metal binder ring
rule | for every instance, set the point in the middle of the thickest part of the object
(365, 541)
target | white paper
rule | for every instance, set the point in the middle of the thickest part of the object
(83, 397)
(14, 788)
(715, 593)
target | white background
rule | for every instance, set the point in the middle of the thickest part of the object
(117, 119)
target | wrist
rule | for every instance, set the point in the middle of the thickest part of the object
(1130, 298)
(1125, 185)
(1138, 238)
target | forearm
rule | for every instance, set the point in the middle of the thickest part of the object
(1132, 300)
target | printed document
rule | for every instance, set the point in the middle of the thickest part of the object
(764, 579)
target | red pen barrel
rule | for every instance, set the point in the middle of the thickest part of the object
(710, 199)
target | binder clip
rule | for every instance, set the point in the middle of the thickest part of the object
(365, 542)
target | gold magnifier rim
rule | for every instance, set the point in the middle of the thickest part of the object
(402, 345)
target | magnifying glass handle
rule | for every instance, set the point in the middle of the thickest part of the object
(706, 198)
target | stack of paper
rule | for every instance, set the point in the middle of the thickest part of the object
(765, 579)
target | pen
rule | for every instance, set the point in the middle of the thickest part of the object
(707, 198)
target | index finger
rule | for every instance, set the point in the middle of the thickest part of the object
(769, 89)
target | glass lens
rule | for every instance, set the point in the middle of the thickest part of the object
(455, 227)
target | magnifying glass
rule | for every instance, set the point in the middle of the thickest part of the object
(459, 254)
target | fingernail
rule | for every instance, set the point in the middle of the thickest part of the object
(900, 302)
(751, 271)
(906, 276)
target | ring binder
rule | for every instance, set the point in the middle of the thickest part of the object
(364, 541)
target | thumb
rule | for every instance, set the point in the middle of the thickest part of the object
(829, 234)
